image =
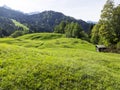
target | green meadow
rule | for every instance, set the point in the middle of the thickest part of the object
(18, 24)
(48, 61)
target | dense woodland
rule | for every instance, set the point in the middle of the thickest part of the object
(71, 30)
(7, 27)
(107, 30)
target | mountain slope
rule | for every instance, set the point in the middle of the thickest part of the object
(41, 22)
(7, 27)
(48, 19)
(12, 14)
(19, 25)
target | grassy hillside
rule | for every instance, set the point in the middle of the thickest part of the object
(52, 62)
(42, 36)
(18, 24)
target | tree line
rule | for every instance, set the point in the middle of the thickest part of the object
(71, 30)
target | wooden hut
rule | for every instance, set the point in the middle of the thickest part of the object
(100, 48)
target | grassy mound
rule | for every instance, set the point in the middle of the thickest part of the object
(48, 40)
(42, 36)
(58, 64)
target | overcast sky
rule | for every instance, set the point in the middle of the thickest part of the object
(79, 9)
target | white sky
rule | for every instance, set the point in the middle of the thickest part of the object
(79, 9)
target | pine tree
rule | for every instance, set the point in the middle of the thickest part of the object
(76, 30)
(60, 28)
(69, 29)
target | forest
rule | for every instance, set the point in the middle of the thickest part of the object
(107, 30)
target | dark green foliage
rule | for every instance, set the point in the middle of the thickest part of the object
(116, 24)
(21, 29)
(7, 27)
(71, 30)
(91, 26)
(46, 21)
(60, 28)
(95, 34)
(104, 31)
(41, 22)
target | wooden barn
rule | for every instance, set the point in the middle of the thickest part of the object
(100, 48)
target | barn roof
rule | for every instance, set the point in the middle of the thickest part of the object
(100, 46)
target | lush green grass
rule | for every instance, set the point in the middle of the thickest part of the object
(20, 25)
(48, 40)
(42, 36)
(52, 62)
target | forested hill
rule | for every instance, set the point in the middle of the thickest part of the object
(12, 14)
(7, 27)
(41, 22)
(51, 18)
